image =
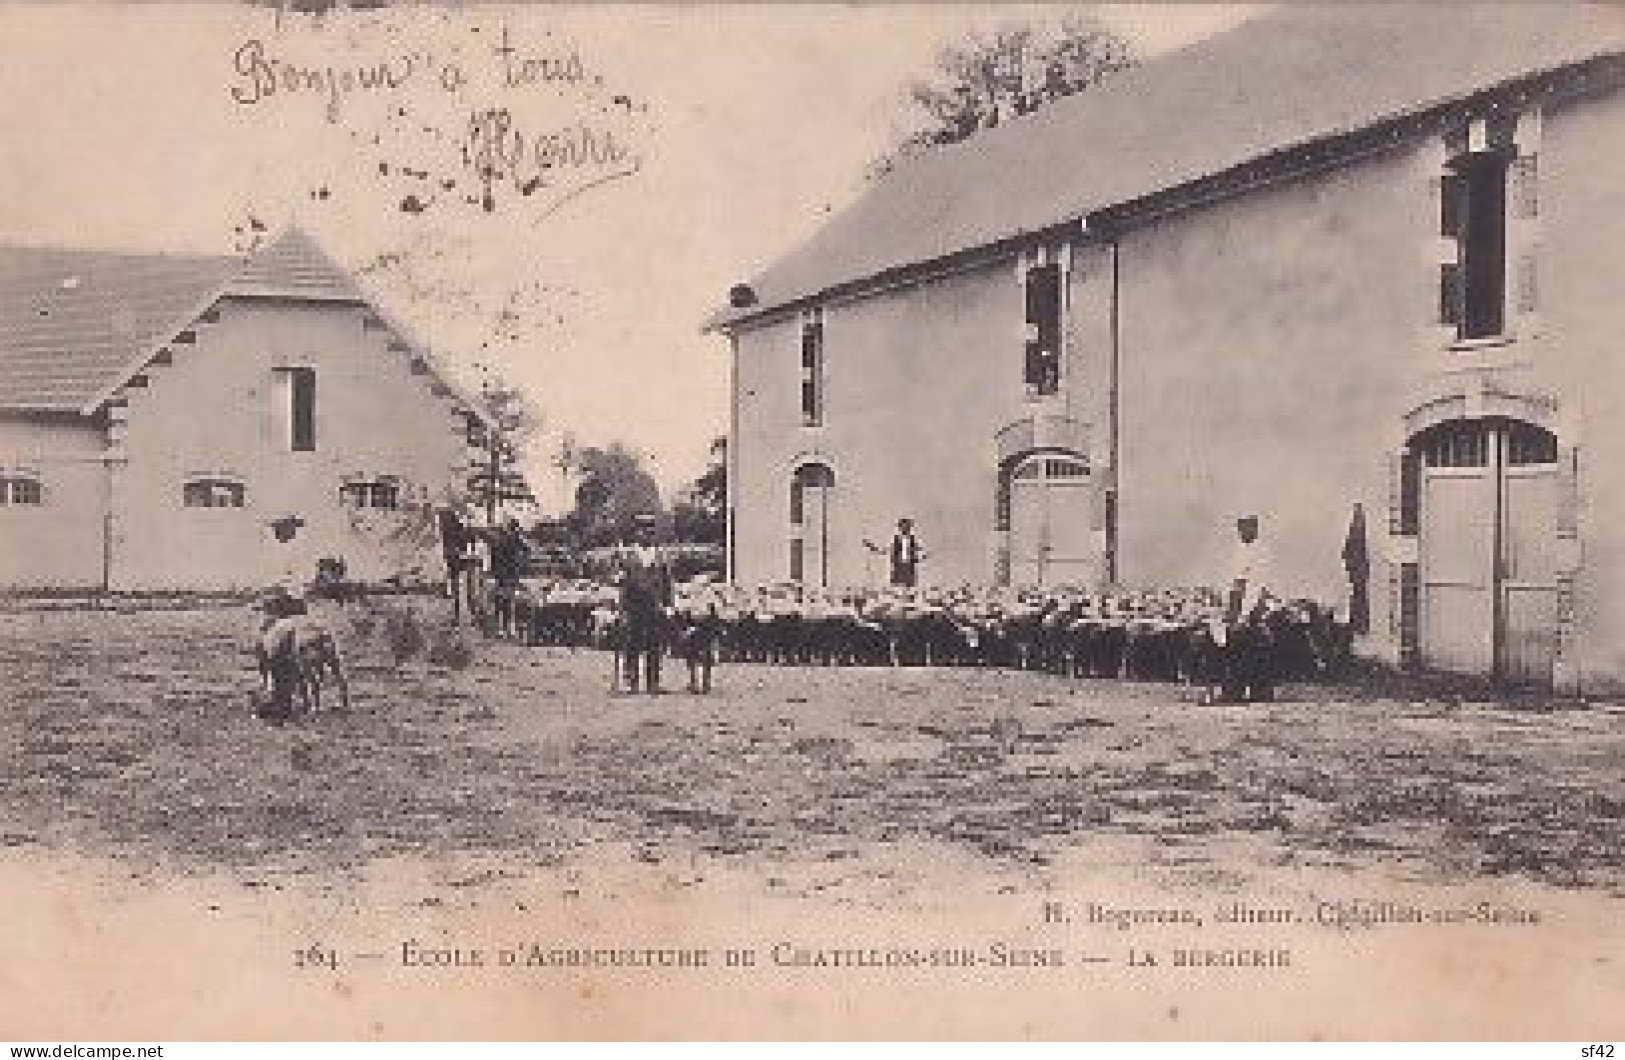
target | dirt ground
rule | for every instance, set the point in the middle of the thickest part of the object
(132, 732)
(490, 774)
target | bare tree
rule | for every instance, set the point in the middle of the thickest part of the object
(512, 419)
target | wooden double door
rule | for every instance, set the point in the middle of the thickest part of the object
(1488, 549)
(1051, 505)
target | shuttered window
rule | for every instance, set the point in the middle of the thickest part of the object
(812, 373)
(1043, 349)
(1410, 612)
(1526, 187)
(1406, 516)
(1450, 294)
(1472, 212)
(298, 387)
(1450, 193)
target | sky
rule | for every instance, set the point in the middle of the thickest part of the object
(639, 161)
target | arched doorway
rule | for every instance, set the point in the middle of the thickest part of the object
(810, 487)
(1049, 505)
(1487, 503)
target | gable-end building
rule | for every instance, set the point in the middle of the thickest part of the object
(157, 411)
(1356, 255)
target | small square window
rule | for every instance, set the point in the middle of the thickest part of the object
(21, 490)
(381, 495)
(213, 493)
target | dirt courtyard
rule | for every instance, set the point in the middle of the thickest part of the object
(132, 732)
(513, 777)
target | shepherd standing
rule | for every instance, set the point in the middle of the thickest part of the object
(646, 603)
(906, 555)
(1248, 666)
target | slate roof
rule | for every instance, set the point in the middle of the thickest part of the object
(293, 266)
(75, 324)
(72, 320)
(1301, 74)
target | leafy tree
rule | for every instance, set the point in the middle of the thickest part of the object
(1010, 70)
(614, 488)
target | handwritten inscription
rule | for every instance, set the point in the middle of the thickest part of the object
(521, 120)
(521, 71)
(262, 76)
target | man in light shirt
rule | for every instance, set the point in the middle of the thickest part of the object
(1249, 669)
(295, 563)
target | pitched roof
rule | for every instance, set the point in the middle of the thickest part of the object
(293, 266)
(72, 320)
(1301, 74)
(75, 324)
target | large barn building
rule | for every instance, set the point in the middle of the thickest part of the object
(157, 411)
(1363, 255)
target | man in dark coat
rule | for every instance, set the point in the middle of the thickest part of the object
(646, 602)
(508, 561)
(906, 555)
(453, 537)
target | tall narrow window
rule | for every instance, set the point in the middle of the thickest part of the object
(301, 388)
(1043, 353)
(812, 372)
(1473, 213)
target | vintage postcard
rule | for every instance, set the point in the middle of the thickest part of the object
(855, 521)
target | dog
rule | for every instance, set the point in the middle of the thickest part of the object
(1201, 666)
(297, 656)
(695, 640)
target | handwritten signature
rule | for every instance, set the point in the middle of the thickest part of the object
(497, 150)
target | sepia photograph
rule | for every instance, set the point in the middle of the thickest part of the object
(702, 521)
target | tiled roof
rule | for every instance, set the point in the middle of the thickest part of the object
(1301, 74)
(76, 323)
(71, 321)
(294, 266)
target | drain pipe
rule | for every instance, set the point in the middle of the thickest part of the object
(1114, 411)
